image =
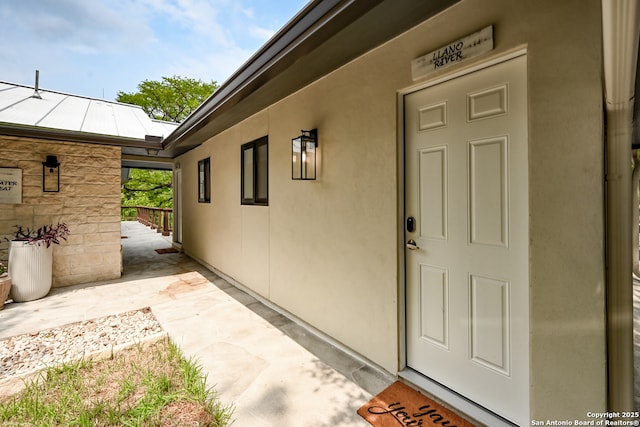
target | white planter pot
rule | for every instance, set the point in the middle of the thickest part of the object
(30, 268)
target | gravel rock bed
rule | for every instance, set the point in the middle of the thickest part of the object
(27, 353)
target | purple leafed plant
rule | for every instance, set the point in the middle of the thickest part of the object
(47, 234)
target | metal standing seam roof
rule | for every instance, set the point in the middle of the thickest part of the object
(66, 112)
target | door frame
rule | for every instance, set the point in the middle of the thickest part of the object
(177, 204)
(449, 396)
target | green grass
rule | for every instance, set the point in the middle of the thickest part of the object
(141, 386)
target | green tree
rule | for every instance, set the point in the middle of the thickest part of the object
(171, 99)
(150, 188)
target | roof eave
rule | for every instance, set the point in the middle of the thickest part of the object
(299, 28)
(23, 131)
(326, 34)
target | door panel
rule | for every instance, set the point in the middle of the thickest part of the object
(467, 275)
(433, 193)
(488, 195)
(489, 323)
(434, 305)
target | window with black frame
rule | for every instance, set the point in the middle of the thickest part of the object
(204, 180)
(255, 172)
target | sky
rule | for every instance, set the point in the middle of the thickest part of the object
(96, 48)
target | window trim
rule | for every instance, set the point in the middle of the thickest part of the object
(206, 165)
(254, 145)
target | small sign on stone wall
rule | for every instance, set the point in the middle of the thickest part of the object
(457, 51)
(10, 185)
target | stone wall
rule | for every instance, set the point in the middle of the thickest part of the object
(88, 201)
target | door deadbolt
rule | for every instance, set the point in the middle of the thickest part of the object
(411, 224)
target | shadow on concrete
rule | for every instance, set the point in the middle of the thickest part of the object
(141, 259)
(187, 297)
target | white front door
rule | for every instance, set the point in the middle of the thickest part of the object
(467, 256)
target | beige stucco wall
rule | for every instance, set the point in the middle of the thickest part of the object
(228, 236)
(327, 250)
(88, 201)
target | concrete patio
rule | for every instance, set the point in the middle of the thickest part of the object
(276, 372)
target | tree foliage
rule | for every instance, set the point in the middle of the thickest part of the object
(148, 188)
(171, 99)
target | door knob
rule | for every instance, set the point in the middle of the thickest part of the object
(412, 246)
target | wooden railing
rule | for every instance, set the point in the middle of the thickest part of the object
(159, 219)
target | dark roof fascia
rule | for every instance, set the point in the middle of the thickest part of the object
(9, 129)
(299, 29)
(146, 162)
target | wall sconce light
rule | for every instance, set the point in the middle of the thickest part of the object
(155, 143)
(51, 175)
(303, 155)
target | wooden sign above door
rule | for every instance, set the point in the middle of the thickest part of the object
(455, 52)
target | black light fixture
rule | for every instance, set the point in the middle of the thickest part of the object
(155, 143)
(303, 155)
(51, 175)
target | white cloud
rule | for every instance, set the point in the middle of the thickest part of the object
(75, 25)
(196, 18)
(261, 33)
